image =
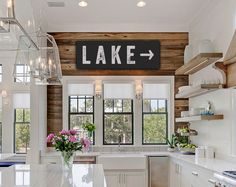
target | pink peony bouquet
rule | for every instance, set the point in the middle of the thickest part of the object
(68, 141)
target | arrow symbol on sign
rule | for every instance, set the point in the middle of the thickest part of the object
(149, 54)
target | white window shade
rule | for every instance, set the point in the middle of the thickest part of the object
(21, 100)
(118, 91)
(156, 91)
(81, 89)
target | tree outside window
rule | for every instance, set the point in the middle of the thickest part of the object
(155, 121)
(81, 110)
(118, 121)
(22, 130)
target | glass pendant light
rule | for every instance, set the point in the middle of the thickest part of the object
(6, 13)
(8, 18)
(44, 64)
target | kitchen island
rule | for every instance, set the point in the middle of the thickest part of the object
(53, 175)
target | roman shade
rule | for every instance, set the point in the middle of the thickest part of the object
(21, 100)
(156, 91)
(118, 91)
(81, 89)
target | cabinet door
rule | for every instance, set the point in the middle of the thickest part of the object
(135, 179)
(112, 179)
(175, 174)
(186, 176)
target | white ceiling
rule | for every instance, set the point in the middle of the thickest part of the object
(118, 15)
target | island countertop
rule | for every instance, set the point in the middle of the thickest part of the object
(52, 175)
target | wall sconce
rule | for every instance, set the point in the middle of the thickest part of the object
(98, 89)
(4, 93)
(138, 89)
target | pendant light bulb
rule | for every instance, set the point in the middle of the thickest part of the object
(83, 4)
(141, 4)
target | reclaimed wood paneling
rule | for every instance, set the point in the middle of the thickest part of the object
(172, 57)
(172, 51)
(54, 109)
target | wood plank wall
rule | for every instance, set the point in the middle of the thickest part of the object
(172, 57)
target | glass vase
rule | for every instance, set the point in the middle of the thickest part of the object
(67, 158)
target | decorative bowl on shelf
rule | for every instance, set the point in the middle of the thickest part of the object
(187, 151)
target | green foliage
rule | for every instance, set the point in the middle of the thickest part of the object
(173, 141)
(22, 130)
(154, 128)
(116, 125)
(22, 137)
(62, 143)
(90, 127)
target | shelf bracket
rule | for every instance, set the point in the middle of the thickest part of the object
(219, 66)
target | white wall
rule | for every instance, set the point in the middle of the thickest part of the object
(216, 22)
(38, 93)
(7, 61)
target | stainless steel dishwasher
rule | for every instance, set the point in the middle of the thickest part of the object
(158, 167)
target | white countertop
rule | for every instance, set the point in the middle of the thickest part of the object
(5, 156)
(52, 175)
(215, 165)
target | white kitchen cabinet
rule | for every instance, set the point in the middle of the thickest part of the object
(125, 178)
(183, 174)
(135, 179)
(175, 174)
(186, 176)
(124, 171)
(112, 179)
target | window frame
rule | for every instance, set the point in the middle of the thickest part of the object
(118, 113)
(80, 113)
(23, 122)
(25, 74)
(167, 121)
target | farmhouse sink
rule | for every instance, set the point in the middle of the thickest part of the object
(120, 161)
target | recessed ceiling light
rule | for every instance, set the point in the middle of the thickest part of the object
(83, 3)
(141, 4)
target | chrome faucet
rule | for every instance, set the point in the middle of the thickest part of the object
(119, 141)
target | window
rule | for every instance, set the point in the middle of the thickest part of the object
(155, 113)
(0, 72)
(118, 121)
(22, 73)
(118, 114)
(22, 130)
(81, 110)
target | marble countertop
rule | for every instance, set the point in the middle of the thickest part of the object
(5, 156)
(52, 175)
(215, 165)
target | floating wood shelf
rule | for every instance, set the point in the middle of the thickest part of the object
(199, 62)
(200, 118)
(230, 61)
(198, 90)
